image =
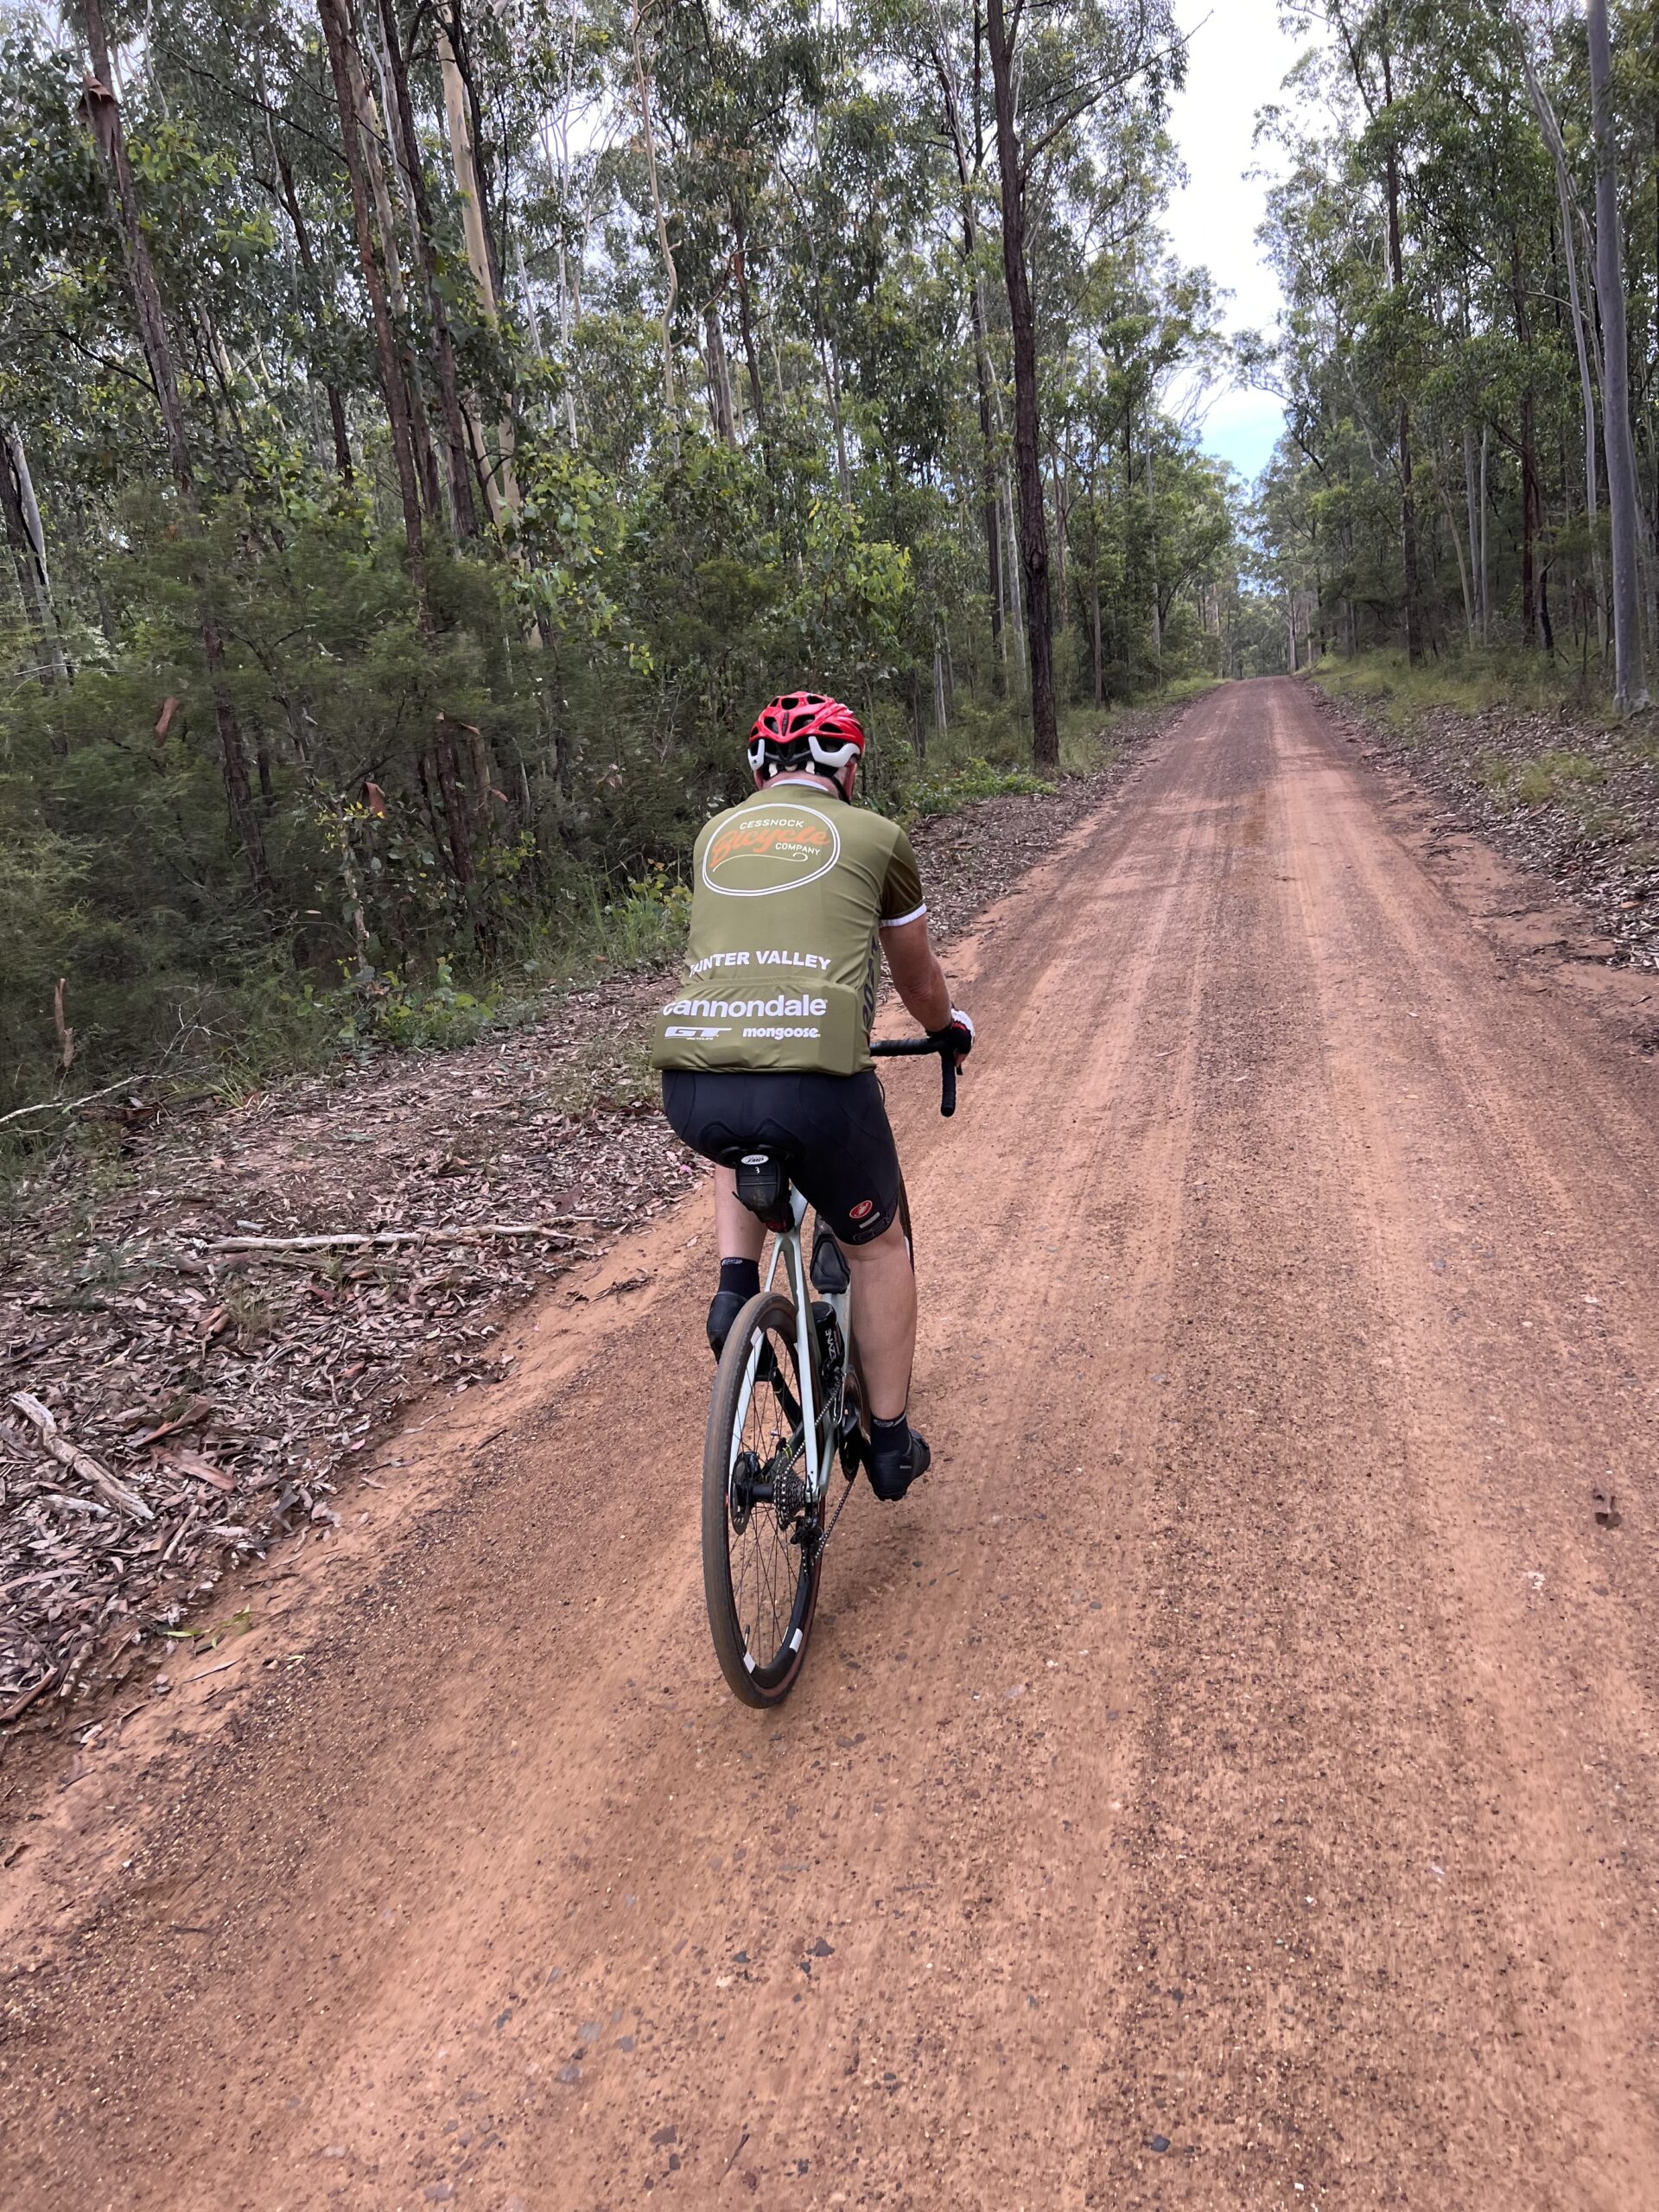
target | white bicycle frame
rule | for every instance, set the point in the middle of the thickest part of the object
(786, 1250)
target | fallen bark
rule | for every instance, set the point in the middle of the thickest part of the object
(555, 1231)
(57, 1445)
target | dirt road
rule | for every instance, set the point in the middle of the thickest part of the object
(1229, 1781)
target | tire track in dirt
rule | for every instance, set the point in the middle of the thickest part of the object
(1227, 1781)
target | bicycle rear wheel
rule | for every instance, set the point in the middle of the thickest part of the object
(761, 1534)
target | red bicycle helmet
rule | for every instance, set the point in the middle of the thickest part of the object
(805, 729)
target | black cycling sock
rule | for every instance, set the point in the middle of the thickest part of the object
(740, 1276)
(890, 1435)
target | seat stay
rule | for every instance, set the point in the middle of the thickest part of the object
(786, 1253)
(806, 1350)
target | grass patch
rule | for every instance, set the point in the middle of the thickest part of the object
(1467, 682)
(1536, 783)
(950, 792)
(1540, 782)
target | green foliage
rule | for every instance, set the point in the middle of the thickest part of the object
(948, 793)
(1551, 773)
(1469, 682)
(1433, 389)
(326, 772)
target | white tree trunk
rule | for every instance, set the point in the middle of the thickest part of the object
(1629, 680)
(671, 271)
(20, 491)
(1472, 510)
(1552, 135)
(502, 485)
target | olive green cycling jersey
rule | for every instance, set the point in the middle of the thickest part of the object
(790, 890)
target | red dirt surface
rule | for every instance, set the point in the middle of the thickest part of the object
(1228, 1780)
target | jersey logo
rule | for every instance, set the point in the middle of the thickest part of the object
(771, 848)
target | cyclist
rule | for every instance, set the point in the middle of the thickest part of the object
(797, 894)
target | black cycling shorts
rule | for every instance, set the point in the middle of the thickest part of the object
(831, 1131)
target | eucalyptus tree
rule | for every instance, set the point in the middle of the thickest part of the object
(1052, 70)
(423, 430)
(1629, 684)
(1435, 352)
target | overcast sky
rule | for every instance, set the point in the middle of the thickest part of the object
(1235, 65)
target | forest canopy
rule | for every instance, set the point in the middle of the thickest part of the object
(1465, 231)
(430, 431)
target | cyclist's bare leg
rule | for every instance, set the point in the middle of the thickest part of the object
(884, 1320)
(739, 1235)
(884, 1296)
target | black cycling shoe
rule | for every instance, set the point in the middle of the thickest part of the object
(891, 1472)
(723, 1311)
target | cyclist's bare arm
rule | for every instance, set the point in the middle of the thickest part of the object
(917, 975)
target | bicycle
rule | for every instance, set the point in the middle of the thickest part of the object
(786, 1409)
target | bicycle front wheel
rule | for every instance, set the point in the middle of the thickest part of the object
(761, 1531)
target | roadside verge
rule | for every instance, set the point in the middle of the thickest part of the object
(1545, 834)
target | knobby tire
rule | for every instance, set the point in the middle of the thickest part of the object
(748, 1573)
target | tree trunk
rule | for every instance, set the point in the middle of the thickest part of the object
(1531, 506)
(454, 44)
(532, 314)
(827, 361)
(970, 167)
(369, 136)
(1485, 539)
(1477, 614)
(988, 488)
(336, 35)
(838, 417)
(671, 271)
(28, 546)
(314, 301)
(443, 344)
(1152, 542)
(1028, 441)
(746, 324)
(103, 113)
(1016, 613)
(1407, 511)
(502, 489)
(719, 381)
(1094, 611)
(1629, 679)
(1465, 581)
(1064, 616)
(1552, 136)
(455, 805)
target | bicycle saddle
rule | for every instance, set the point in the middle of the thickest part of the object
(763, 1186)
